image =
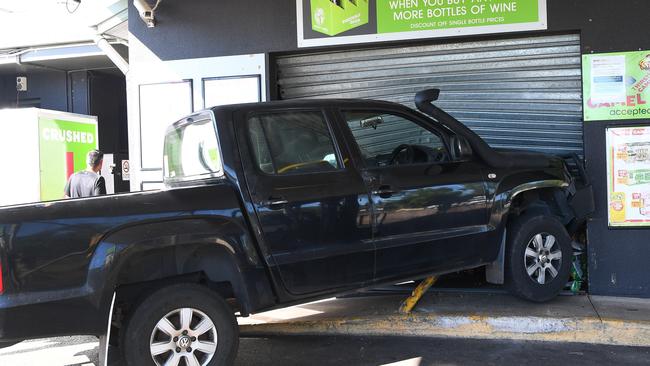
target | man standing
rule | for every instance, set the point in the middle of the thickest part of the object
(87, 183)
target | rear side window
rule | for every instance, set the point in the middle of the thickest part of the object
(292, 142)
(191, 151)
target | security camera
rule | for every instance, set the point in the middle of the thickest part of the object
(146, 12)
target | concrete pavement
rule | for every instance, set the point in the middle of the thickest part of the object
(583, 319)
(414, 351)
(358, 351)
(446, 328)
(62, 351)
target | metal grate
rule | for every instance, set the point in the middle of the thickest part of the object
(522, 93)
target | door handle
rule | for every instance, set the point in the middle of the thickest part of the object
(275, 203)
(384, 192)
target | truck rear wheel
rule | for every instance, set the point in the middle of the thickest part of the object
(538, 258)
(184, 324)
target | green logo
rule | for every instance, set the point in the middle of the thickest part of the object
(333, 17)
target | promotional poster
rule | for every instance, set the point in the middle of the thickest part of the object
(336, 22)
(616, 86)
(628, 175)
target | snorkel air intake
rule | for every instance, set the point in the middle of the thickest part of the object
(495, 159)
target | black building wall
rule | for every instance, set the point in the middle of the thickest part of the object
(78, 92)
(618, 259)
(207, 28)
(97, 93)
(102, 94)
(45, 89)
(107, 97)
(6, 92)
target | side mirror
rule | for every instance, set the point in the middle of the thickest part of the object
(209, 157)
(371, 122)
(461, 150)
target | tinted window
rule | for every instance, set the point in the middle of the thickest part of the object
(387, 139)
(292, 142)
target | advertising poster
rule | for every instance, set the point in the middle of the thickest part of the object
(63, 146)
(628, 176)
(336, 22)
(616, 86)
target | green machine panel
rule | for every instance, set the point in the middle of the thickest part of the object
(63, 145)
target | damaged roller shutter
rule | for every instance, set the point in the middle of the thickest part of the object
(516, 93)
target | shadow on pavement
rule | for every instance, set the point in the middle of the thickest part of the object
(92, 355)
(409, 351)
(114, 357)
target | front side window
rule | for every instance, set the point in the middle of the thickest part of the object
(191, 151)
(292, 142)
(386, 139)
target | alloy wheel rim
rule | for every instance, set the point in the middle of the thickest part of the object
(184, 336)
(543, 258)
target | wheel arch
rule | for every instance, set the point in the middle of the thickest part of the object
(550, 199)
(211, 250)
(216, 266)
(513, 196)
(542, 196)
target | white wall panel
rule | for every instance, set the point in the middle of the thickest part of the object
(147, 68)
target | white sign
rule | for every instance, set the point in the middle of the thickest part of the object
(608, 79)
(231, 90)
(126, 170)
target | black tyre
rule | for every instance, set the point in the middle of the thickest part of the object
(182, 324)
(538, 257)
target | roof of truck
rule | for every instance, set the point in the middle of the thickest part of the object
(299, 103)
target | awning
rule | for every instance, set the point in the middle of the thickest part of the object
(84, 56)
(62, 40)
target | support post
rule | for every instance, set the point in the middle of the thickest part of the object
(408, 304)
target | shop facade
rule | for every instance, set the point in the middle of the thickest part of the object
(517, 81)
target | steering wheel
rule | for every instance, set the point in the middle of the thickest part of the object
(439, 156)
(410, 153)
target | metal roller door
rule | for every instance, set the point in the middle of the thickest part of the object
(522, 93)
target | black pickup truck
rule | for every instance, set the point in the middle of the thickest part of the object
(272, 204)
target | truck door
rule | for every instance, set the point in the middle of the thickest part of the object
(312, 204)
(430, 211)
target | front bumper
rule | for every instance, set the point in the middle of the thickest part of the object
(582, 203)
(581, 192)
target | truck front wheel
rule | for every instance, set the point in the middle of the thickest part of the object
(184, 324)
(538, 257)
